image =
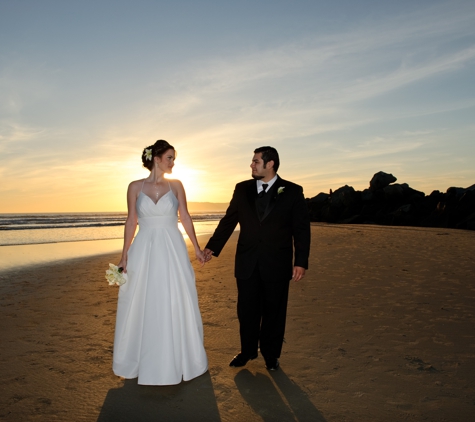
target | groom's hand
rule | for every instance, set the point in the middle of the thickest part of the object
(298, 273)
(208, 254)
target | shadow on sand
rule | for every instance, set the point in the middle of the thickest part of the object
(189, 401)
(274, 397)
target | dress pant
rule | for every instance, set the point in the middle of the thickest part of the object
(262, 311)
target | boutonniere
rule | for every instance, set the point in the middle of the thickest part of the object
(280, 190)
(115, 275)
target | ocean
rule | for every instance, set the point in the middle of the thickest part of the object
(30, 229)
(35, 239)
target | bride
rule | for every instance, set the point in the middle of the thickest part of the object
(159, 332)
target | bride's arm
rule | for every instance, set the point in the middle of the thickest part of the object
(130, 223)
(186, 220)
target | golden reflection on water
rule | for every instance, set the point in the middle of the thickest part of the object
(18, 256)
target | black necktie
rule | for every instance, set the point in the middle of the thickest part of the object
(263, 191)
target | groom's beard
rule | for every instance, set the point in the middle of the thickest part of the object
(257, 177)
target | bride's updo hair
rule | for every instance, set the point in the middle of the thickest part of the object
(155, 150)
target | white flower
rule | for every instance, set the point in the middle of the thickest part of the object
(114, 275)
(148, 154)
(280, 190)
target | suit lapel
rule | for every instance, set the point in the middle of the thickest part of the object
(275, 197)
(252, 195)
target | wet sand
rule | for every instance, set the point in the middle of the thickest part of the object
(380, 329)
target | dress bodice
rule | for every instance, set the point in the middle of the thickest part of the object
(167, 205)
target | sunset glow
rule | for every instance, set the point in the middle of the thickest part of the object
(342, 89)
(192, 181)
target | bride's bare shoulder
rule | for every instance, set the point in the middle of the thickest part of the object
(136, 184)
(175, 182)
(176, 187)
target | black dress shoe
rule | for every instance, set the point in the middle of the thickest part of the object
(272, 364)
(240, 360)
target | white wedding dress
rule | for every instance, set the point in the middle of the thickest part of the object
(159, 332)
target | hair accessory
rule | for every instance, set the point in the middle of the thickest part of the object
(148, 154)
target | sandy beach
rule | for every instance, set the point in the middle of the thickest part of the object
(380, 329)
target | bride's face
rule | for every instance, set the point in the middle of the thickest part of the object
(166, 161)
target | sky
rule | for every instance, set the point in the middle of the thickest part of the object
(342, 88)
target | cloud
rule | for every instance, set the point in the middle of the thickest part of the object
(313, 86)
(12, 132)
(373, 45)
(325, 99)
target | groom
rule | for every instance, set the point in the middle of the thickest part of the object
(273, 218)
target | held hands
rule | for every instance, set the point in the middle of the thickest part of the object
(208, 254)
(200, 256)
(203, 256)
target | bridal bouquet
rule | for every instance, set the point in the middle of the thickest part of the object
(115, 275)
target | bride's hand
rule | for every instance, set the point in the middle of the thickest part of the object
(200, 256)
(123, 264)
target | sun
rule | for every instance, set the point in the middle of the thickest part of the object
(190, 178)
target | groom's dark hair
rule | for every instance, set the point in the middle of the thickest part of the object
(269, 154)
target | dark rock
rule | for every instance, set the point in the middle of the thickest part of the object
(404, 209)
(395, 204)
(455, 192)
(367, 195)
(380, 180)
(467, 223)
(320, 198)
(345, 196)
(355, 219)
(394, 192)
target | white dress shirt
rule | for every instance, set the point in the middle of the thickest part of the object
(269, 184)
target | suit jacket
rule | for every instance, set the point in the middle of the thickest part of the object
(269, 242)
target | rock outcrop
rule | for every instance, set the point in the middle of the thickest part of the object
(389, 203)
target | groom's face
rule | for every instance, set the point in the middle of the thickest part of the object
(259, 170)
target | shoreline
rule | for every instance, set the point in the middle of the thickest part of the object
(18, 257)
(381, 328)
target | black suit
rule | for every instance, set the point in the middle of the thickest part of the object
(265, 258)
